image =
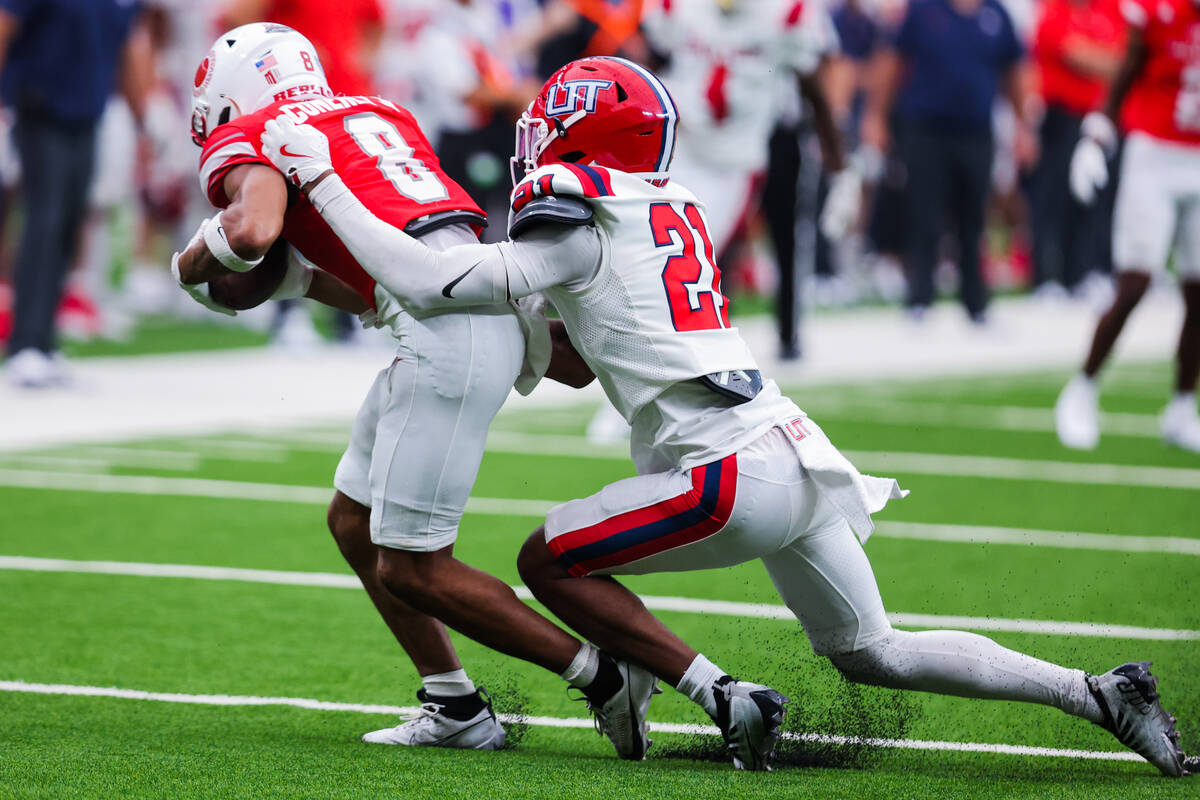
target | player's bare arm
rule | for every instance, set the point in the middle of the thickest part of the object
(1131, 66)
(566, 365)
(248, 226)
(813, 88)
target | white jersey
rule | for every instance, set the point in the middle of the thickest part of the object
(650, 318)
(726, 61)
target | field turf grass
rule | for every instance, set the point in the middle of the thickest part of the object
(229, 637)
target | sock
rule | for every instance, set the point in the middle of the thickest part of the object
(968, 665)
(697, 683)
(1185, 399)
(582, 669)
(448, 684)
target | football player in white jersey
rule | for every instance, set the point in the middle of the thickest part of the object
(729, 469)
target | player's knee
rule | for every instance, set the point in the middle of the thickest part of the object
(413, 577)
(350, 525)
(869, 664)
(534, 559)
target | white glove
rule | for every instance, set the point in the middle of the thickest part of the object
(199, 291)
(842, 204)
(1089, 162)
(300, 152)
(370, 319)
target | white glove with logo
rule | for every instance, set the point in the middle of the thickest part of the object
(842, 204)
(198, 291)
(300, 152)
(1089, 162)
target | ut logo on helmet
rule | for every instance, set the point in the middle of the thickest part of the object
(571, 96)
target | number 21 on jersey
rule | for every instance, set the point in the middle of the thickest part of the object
(691, 278)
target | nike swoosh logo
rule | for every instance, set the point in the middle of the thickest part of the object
(283, 151)
(450, 286)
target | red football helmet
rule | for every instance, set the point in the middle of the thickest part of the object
(604, 111)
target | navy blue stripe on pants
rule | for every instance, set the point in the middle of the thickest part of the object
(56, 173)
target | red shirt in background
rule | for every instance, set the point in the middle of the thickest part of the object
(337, 29)
(1164, 100)
(1097, 21)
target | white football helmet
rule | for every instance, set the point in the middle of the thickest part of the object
(249, 68)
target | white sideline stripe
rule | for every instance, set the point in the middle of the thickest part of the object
(1005, 418)
(545, 722)
(986, 534)
(655, 602)
(898, 461)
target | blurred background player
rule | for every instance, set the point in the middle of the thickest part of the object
(60, 62)
(1156, 98)
(1077, 48)
(948, 62)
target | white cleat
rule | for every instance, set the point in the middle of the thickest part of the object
(431, 727)
(1181, 424)
(749, 716)
(1133, 714)
(622, 717)
(1077, 414)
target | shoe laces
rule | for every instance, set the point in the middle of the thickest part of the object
(599, 720)
(423, 717)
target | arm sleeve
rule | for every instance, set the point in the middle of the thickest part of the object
(472, 274)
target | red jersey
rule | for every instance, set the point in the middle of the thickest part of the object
(1062, 21)
(378, 151)
(1164, 100)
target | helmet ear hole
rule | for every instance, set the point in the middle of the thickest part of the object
(622, 95)
(223, 117)
(572, 157)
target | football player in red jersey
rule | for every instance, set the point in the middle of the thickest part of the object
(418, 439)
(1156, 99)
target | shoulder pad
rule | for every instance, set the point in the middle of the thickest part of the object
(564, 210)
(573, 180)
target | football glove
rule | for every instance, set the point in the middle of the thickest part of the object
(300, 152)
(1089, 162)
(842, 204)
(198, 291)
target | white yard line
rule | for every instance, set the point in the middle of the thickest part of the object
(501, 506)
(227, 700)
(1024, 469)
(686, 605)
(229, 490)
(986, 417)
(917, 463)
(987, 534)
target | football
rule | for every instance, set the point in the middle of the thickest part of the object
(243, 290)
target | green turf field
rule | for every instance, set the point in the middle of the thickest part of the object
(1025, 532)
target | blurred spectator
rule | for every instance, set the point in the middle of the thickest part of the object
(469, 92)
(346, 34)
(1078, 48)
(947, 63)
(571, 29)
(61, 61)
